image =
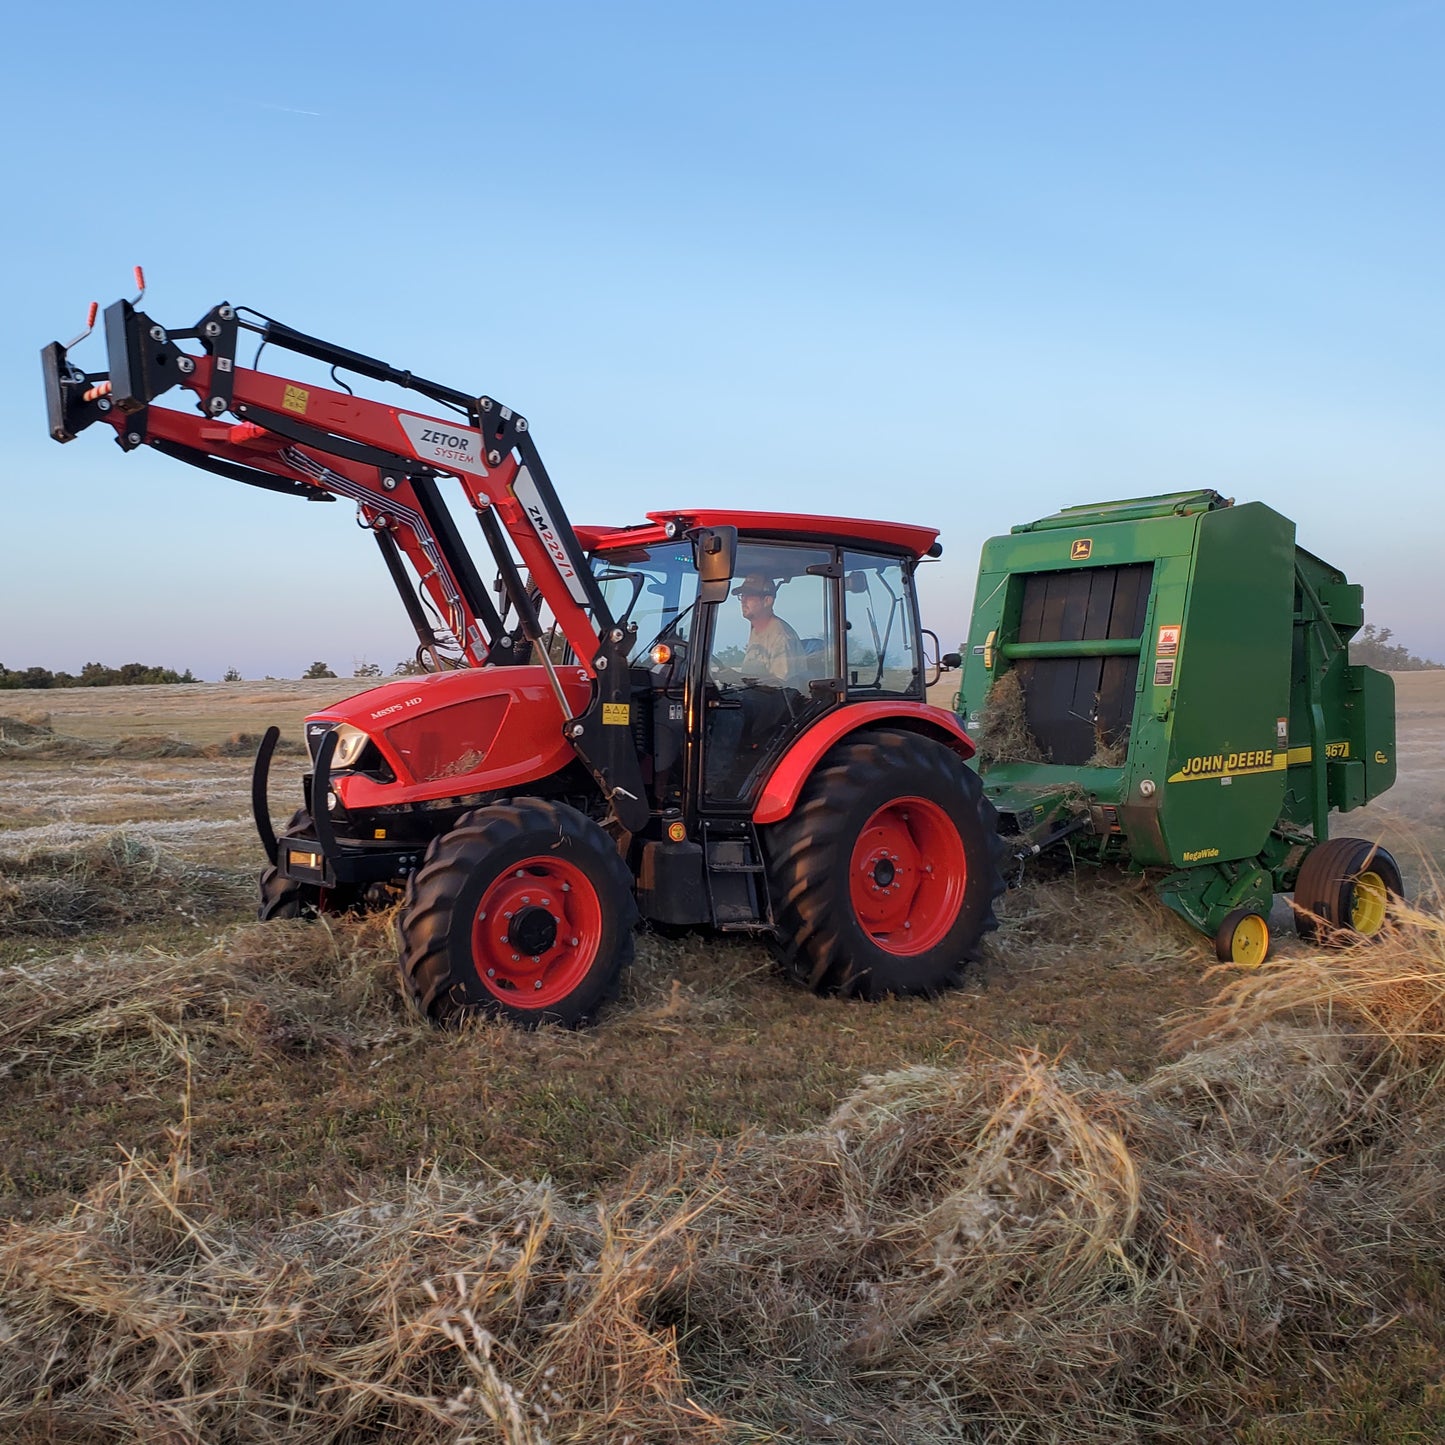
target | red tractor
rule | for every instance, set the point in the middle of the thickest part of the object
(713, 718)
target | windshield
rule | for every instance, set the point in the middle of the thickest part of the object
(655, 587)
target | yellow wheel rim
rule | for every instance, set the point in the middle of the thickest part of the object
(1367, 908)
(1250, 943)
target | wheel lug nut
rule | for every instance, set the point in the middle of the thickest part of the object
(491, 973)
(538, 984)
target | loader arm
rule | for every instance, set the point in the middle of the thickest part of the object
(314, 442)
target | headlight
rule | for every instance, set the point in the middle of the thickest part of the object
(350, 744)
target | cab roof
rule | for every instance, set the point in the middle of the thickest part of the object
(789, 526)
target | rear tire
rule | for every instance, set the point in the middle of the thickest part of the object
(1343, 892)
(885, 873)
(522, 911)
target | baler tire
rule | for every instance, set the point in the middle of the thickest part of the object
(849, 880)
(1243, 938)
(1336, 880)
(544, 866)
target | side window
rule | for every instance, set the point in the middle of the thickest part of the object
(878, 608)
(779, 630)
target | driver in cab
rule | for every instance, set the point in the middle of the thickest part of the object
(774, 655)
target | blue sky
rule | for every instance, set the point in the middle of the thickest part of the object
(962, 265)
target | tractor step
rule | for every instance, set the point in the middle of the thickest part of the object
(737, 882)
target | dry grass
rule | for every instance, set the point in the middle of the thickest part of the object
(1392, 992)
(1010, 1248)
(1006, 1247)
(997, 1216)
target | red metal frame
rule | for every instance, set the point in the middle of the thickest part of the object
(376, 424)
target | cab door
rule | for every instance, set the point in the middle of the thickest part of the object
(771, 667)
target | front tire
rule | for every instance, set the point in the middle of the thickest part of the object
(885, 873)
(283, 897)
(523, 911)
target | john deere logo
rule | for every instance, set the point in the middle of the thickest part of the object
(1081, 548)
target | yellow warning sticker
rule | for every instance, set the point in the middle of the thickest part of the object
(1080, 549)
(295, 399)
(616, 714)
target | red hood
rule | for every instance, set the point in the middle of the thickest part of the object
(448, 734)
(381, 707)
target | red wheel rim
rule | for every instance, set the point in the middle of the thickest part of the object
(536, 932)
(907, 875)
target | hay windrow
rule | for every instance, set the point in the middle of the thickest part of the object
(38, 740)
(1391, 991)
(119, 877)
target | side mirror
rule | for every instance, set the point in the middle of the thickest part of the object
(715, 553)
(951, 660)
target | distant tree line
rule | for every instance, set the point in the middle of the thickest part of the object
(1371, 647)
(93, 674)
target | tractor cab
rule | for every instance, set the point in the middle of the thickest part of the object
(814, 614)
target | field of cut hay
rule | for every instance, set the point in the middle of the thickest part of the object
(1097, 1194)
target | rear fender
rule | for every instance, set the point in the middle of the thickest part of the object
(795, 767)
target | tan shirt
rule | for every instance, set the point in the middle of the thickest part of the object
(774, 655)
